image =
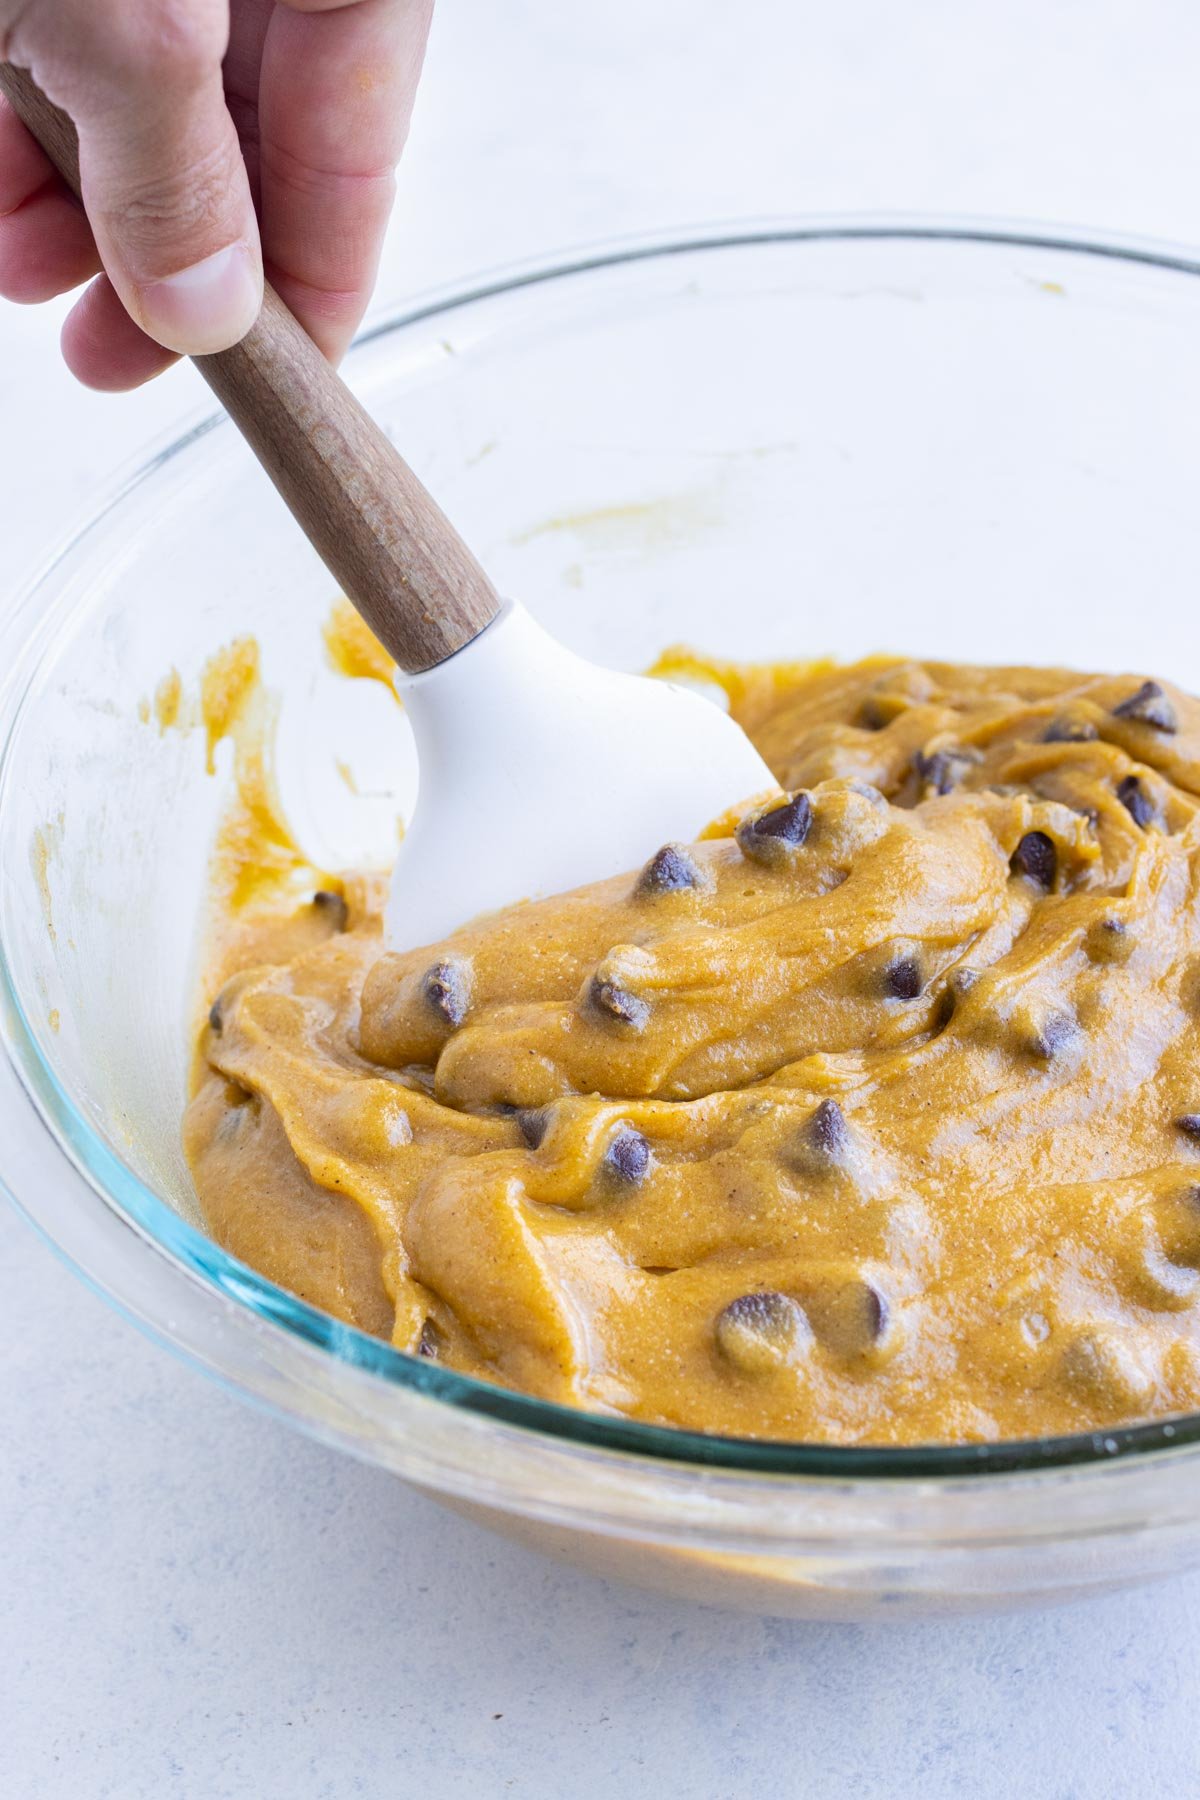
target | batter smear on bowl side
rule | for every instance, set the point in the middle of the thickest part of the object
(875, 1120)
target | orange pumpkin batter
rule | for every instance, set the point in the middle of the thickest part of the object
(877, 1121)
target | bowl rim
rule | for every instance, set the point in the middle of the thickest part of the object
(157, 1229)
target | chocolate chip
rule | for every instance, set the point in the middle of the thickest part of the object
(791, 822)
(1166, 1264)
(944, 769)
(936, 771)
(1036, 858)
(1051, 1036)
(533, 1122)
(669, 870)
(1136, 801)
(429, 1344)
(1189, 1124)
(1105, 1367)
(616, 1003)
(902, 978)
(628, 1156)
(759, 1332)
(333, 908)
(767, 837)
(241, 1106)
(447, 988)
(1109, 941)
(1066, 730)
(868, 791)
(216, 1016)
(1167, 1283)
(1149, 706)
(875, 1311)
(959, 983)
(851, 1317)
(828, 1133)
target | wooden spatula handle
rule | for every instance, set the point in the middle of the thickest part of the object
(388, 545)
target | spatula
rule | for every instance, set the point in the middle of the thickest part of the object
(538, 770)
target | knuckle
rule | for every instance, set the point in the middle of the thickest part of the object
(168, 42)
(364, 190)
(180, 204)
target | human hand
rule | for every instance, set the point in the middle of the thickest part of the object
(215, 137)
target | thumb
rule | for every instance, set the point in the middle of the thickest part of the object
(167, 194)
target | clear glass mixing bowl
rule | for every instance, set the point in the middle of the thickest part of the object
(773, 441)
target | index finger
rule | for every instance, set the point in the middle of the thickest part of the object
(335, 98)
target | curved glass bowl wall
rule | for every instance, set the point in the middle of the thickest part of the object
(769, 443)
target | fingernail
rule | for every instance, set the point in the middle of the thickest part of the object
(205, 307)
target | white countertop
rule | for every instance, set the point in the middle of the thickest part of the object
(195, 1602)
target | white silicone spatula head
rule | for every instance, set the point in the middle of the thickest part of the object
(538, 771)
